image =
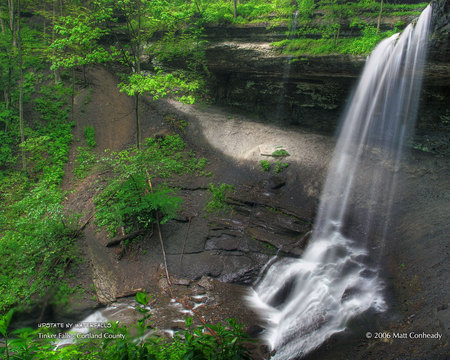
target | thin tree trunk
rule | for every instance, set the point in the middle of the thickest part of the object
(55, 72)
(5, 93)
(44, 24)
(2, 25)
(11, 22)
(336, 38)
(235, 9)
(379, 16)
(19, 46)
(138, 71)
(73, 90)
(137, 103)
(161, 242)
(12, 28)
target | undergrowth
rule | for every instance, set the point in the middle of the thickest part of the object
(139, 192)
(218, 200)
(36, 234)
(117, 341)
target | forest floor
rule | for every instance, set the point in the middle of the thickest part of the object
(416, 269)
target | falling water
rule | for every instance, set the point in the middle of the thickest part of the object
(281, 105)
(307, 300)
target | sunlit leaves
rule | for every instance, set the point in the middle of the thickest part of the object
(78, 42)
(160, 85)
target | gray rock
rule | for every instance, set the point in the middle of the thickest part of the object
(444, 319)
(206, 283)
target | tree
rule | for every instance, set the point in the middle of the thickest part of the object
(379, 16)
(78, 44)
(19, 47)
(12, 59)
(140, 21)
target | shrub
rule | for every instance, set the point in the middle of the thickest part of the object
(280, 166)
(280, 153)
(84, 162)
(220, 195)
(265, 165)
(89, 135)
(129, 198)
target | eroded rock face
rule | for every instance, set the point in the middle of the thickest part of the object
(439, 48)
(312, 91)
(234, 244)
(309, 91)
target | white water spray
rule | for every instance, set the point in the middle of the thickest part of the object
(305, 301)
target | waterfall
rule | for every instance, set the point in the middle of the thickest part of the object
(306, 300)
(281, 105)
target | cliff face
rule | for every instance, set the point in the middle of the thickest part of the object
(312, 91)
(439, 48)
(248, 73)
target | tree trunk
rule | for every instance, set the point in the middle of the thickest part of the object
(2, 25)
(138, 71)
(235, 9)
(73, 90)
(19, 46)
(379, 16)
(44, 25)
(137, 103)
(12, 28)
(5, 92)
(55, 72)
(118, 239)
(12, 22)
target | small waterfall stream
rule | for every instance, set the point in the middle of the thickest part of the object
(305, 301)
(280, 111)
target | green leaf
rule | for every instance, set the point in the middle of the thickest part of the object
(142, 299)
(5, 320)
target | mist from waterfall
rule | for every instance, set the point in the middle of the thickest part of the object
(305, 301)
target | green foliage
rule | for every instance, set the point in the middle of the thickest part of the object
(319, 33)
(280, 166)
(306, 8)
(78, 44)
(127, 200)
(222, 11)
(160, 84)
(64, 293)
(52, 102)
(280, 153)
(5, 320)
(6, 150)
(220, 194)
(363, 44)
(36, 234)
(265, 164)
(89, 135)
(84, 162)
